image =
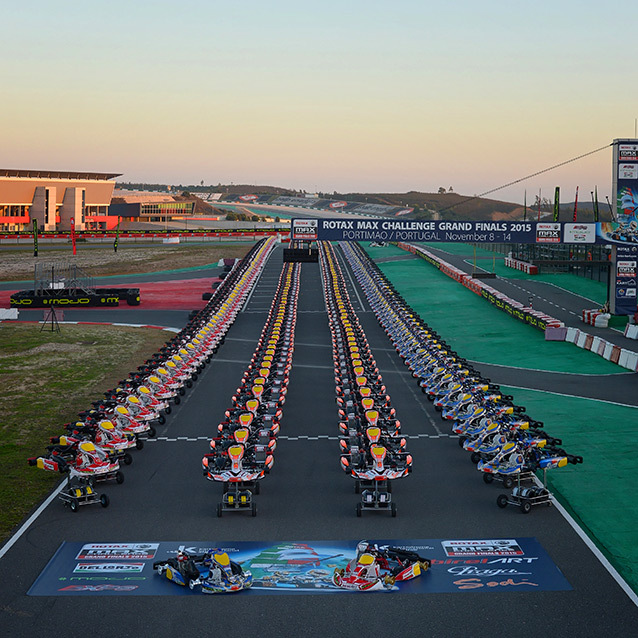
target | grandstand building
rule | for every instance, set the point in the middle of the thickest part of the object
(53, 199)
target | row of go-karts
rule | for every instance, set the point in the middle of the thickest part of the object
(506, 445)
(241, 453)
(92, 449)
(373, 451)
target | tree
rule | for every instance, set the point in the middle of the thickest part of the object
(442, 190)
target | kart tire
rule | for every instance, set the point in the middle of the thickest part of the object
(526, 506)
(182, 391)
(501, 501)
(461, 440)
(104, 500)
(357, 487)
(393, 509)
(152, 432)
(219, 510)
(162, 419)
(127, 458)
(508, 482)
(359, 509)
(193, 378)
(488, 478)
(389, 487)
(139, 444)
(168, 409)
(119, 477)
(177, 399)
(253, 510)
(476, 457)
(74, 505)
(257, 488)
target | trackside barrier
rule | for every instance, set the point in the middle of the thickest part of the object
(607, 351)
(8, 313)
(572, 334)
(615, 354)
(582, 338)
(595, 345)
(517, 264)
(596, 318)
(631, 331)
(632, 361)
(515, 309)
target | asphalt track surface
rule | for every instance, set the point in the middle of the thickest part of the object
(307, 497)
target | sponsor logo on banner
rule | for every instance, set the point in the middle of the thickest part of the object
(248, 198)
(627, 171)
(81, 568)
(304, 229)
(627, 152)
(99, 588)
(626, 269)
(626, 292)
(499, 547)
(580, 233)
(548, 232)
(405, 211)
(338, 204)
(120, 551)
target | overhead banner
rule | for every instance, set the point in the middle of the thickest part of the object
(301, 567)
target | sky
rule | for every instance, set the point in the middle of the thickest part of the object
(347, 96)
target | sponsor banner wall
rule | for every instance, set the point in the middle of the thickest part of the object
(300, 567)
(624, 280)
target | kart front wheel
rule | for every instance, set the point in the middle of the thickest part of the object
(139, 444)
(177, 399)
(104, 500)
(393, 510)
(488, 478)
(508, 482)
(253, 510)
(162, 419)
(119, 477)
(152, 432)
(127, 458)
(358, 509)
(526, 506)
(74, 505)
(501, 500)
(219, 510)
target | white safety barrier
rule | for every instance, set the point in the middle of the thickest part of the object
(572, 334)
(8, 313)
(631, 331)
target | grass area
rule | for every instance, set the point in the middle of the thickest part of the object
(606, 435)
(476, 329)
(47, 378)
(101, 260)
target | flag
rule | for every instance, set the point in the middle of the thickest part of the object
(117, 234)
(576, 207)
(556, 203)
(35, 238)
(596, 204)
(73, 234)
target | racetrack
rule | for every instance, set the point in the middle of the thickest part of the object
(307, 497)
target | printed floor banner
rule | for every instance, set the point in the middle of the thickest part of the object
(294, 567)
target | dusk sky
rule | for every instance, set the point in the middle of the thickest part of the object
(348, 96)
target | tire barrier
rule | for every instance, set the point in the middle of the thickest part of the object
(505, 444)
(526, 314)
(596, 318)
(616, 354)
(92, 449)
(524, 266)
(373, 451)
(242, 452)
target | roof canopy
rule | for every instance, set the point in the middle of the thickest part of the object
(11, 172)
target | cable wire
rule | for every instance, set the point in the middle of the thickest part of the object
(522, 179)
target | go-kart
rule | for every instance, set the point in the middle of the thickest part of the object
(213, 571)
(379, 568)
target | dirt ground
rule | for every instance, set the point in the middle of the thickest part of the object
(101, 260)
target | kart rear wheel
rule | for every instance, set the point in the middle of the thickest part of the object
(177, 399)
(476, 457)
(359, 509)
(119, 477)
(488, 478)
(139, 444)
(253, 510)
(461, 441)
(526, 506)
(74, 505)
(189, 384)
(219, 510)
(104, 500)
(127, 458)
(152, 432)
(162, 419)
(393, 509)
(168, 409)
(501, 500)
(182, 391)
